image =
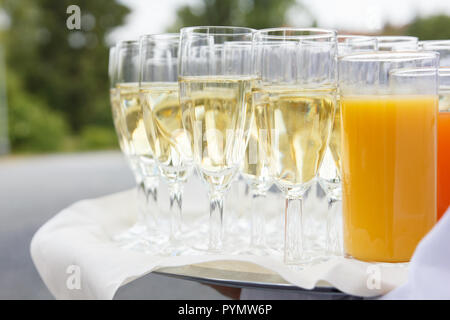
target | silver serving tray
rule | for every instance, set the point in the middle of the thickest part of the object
(240, 276)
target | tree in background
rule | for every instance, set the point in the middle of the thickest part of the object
(430, 28)
(58, 75)
(256, 14)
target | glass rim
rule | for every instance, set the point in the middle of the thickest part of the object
(415, 72)
(320, 33)
(386, 56)
(355, 38)
(172, 36)
(127, 43)
(444, 79)
(397, 39)
(435, 44)
(206, 30)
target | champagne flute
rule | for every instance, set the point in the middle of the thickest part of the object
(297, 68)
(119, 124)
(215, 83)
(170, 143)
(330, 171)
(254, 167)
(140, 151)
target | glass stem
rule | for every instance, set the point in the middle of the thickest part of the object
(176, 201)
(258, 234)
(334, 234)
(293, 233)
(141, 195)
(152, 209)
(216, 221)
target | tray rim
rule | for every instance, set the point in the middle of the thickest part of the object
(186, 273)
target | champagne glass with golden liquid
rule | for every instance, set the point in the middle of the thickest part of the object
(139, 228)
(215, 82)
(169, 141)
(135, 135)
(253, 168)
(297, 92)
(330, 171)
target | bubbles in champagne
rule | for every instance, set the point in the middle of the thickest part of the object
(134, 123)
(214, 111)
(299, 123)
(169, 141)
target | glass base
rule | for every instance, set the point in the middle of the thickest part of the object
(177, 248)
(140, 238)
(309, 260)
(136, 230)
(262, 251)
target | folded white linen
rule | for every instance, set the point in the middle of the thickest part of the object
(77, 259)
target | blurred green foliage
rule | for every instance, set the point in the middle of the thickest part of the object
(57, 82)
(97, 138)
(256, 14)
(33, 126)
(430, 28)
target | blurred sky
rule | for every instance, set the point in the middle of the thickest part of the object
(155, 16)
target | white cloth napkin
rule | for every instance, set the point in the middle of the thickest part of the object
(77, 259)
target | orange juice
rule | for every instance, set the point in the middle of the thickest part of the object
(443, 162)
(389, 174)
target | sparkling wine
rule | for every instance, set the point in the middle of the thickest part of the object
(335, 139)
(214, 111)
(134, 122)
(254, 167)
(118, 120)
(169, 141)
(299, 123)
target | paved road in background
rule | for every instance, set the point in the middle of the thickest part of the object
(33, 189)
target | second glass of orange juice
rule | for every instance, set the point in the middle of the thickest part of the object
(443, 171)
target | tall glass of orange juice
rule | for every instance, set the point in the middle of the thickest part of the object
(389, 122)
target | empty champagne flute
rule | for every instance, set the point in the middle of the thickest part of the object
(215, 83)
(169, 141)
(140, 151)
(330, 171)
(297, 90)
